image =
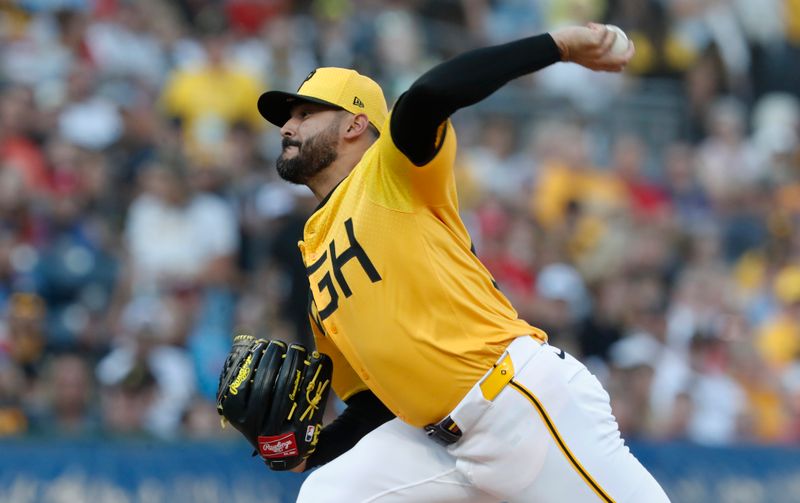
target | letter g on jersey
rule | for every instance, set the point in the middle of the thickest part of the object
(337, 262)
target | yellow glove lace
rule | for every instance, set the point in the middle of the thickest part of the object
(313, 401)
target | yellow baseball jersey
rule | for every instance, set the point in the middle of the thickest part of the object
(399, 300)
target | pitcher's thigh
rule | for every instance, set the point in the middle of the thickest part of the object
(394, 463)
(586, 459)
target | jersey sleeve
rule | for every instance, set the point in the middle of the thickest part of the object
(404, 185)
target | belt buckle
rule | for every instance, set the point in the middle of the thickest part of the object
(445, 432)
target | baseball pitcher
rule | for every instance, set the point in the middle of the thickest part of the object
(450, 396)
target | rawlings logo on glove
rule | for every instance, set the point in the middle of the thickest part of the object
(277, 447)
(243, 374)
(275, 396)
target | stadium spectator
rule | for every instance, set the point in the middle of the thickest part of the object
(209, 98)
(149, 367)
(67, 399)
(13, 417)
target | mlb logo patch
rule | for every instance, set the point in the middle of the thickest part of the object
(310, 433)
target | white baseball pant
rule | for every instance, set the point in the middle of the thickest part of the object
(548, 436)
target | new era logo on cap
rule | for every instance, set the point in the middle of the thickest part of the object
(357, 102)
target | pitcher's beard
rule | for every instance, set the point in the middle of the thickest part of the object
(313, 156)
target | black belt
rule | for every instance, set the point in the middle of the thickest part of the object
(445, 432)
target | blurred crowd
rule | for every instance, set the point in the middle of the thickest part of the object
(142, 224)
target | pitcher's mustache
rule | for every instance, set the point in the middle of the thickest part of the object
(286, 142)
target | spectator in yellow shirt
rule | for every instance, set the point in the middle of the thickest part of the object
(778, 339)
(210, 98)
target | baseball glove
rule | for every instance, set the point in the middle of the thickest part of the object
(275, 396)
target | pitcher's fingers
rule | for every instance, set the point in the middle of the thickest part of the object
(630, 52)
(600, 37)
(617, 63)
(609, 37)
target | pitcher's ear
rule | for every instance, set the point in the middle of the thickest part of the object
(356, 126)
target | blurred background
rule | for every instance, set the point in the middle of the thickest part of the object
(648, 221)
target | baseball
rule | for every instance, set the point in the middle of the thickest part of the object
(620, 41)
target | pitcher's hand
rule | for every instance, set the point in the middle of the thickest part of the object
(590, 46)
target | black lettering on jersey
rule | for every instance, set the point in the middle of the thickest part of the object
(353, 251)
(313, 314)
(316, 265)
(326, 283)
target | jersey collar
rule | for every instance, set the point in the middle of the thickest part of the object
(325, 199)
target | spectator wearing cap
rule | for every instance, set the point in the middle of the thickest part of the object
(562, 302)
(634, 361)
(644, 345)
